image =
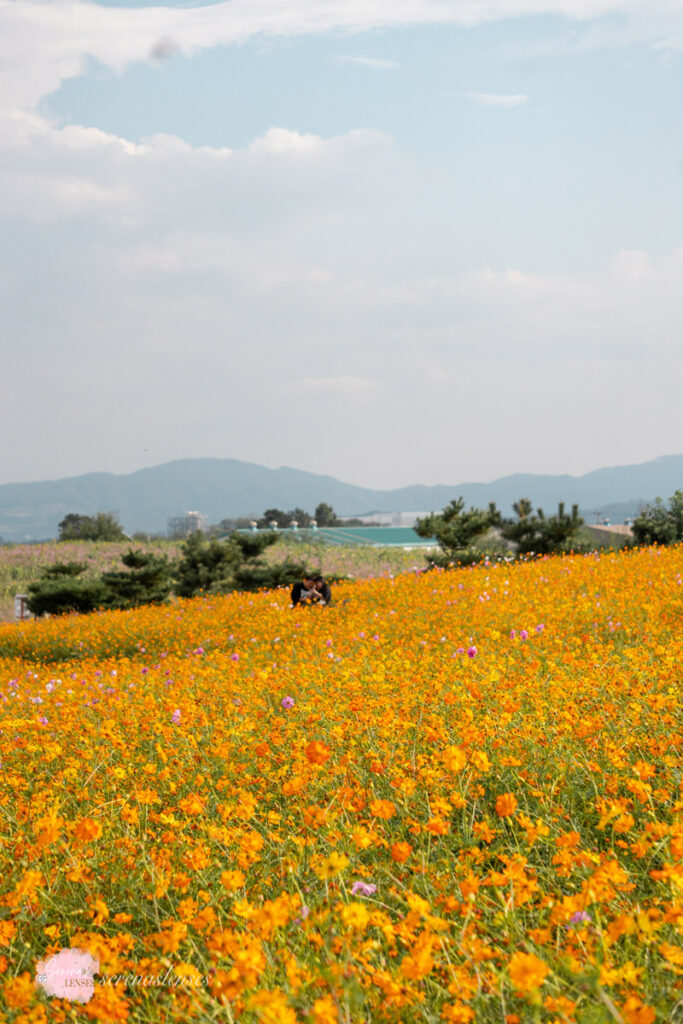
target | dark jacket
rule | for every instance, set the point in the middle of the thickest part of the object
(323, 595)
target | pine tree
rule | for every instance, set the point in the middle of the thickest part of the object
(540, 534)
(148, 581)
(456, 530)
(62, 589)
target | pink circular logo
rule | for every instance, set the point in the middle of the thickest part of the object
(68, 974)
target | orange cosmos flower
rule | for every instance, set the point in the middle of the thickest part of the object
(527, 972)
(324, 1011)
(108, 1004)
(400, 852)
(293, 786)
(272, 1007)
(457, 1013)
(192, 804)
(634, 1011)
(317, 752)
(382, 809)
(88, 830)
(19, 991)
(506, 804)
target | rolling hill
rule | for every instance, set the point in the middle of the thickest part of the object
(222, 488)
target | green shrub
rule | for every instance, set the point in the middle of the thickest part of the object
(258, 575)
(58, 594)
(148, 581)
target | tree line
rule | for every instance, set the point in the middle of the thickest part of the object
(206, 566)
(323, 516)
(104, 526)
(459, 531)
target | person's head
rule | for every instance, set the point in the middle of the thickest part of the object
(308, 582)
(319, 582)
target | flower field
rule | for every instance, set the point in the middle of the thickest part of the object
(452, 796)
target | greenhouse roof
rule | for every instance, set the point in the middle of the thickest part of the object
(366, 536)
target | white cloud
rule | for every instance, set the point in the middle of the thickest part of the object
(374, 63)
(50, 172)
(634, 265)
(44, 43)
(282, 140)
(163, 293)
(497, 99)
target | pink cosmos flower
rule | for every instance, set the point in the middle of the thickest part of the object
(363, 889)
(287, 702)
(175, 717)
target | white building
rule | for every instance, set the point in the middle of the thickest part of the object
(191, 522)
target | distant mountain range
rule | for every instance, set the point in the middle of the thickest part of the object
(223, 488)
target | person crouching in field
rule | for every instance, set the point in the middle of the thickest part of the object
(311, 590)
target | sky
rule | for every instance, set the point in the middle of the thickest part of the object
(393, 241)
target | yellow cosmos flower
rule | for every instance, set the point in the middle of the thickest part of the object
(527, 972)
(454, 759)
(232, 880)
(330, 866)
(355, 915)
(324, 1011)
